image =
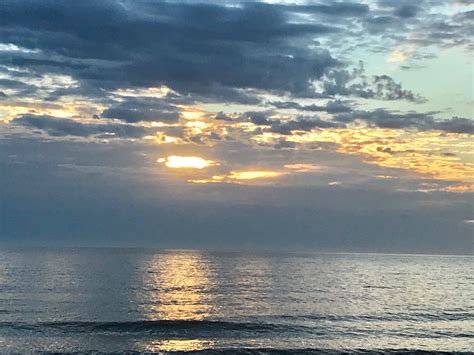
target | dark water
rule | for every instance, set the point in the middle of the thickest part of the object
(146, 300)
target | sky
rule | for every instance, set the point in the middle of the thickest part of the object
(286, 125)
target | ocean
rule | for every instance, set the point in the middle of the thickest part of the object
(147, 300)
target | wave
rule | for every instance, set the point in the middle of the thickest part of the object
(264, 351)
(272, 325)
(151, 327)
(302, 351)
(386, 317)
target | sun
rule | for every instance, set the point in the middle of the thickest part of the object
(186, 162)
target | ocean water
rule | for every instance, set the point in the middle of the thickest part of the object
(126, 300)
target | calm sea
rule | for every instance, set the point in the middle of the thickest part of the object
(127, 300)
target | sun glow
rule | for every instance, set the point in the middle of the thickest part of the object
(160, 138)
(239, 177)
(302, 168)
(432, 154)
(396, 56)
(190, 112)
(180, 162)
(255, 174)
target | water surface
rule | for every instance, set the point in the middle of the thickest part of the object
(150, 300)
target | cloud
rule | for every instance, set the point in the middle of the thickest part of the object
(302, 124)
(221, 116)
(302, 167)
(421, 121)
(456, 125)
(258, 118)
(407, 11)
(422, 24)
(284, 144)
(377, 25)
(387, 89)
(338, 9)
(142, 109)
(143, 43)
(355, 83)
(60, 127)
(242, 49)
(336, 106)
(285, 126)
(17, 87)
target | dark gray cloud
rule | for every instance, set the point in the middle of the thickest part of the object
(387, 89)
(145, 43)
(456, 125)
(342, 115)
(139, 114)
(302, 124)
(135, 109)
(221, 116)
(407, 11)
(19, 88)
(216, 93)
(278, 125)
(258, 118)
(59, 127)
(380, 24)
(336, 106)
(421, 121)
(344, 82)
(111, 44)
(420, 23)
(235, 51)
(284, 144)
(338, 9)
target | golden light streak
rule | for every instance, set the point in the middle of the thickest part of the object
(158, 124)
(253, 174)
(240, 176)
(201, 181)
(432, 154)
(160, 138)
(245, 126)
(196, 127)
(190, 112)
(181, 162)
(461, 188)
(302, 168)
(197, 124)
(70, 109)
(169, 139)
(385, 177)
(421, 152)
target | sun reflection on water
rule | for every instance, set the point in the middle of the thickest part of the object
(178, 345)
(180, 287)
